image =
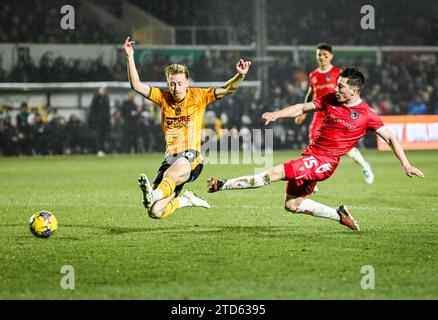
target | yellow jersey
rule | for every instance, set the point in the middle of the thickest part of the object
(182, 121)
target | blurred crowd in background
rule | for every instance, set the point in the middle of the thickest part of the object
(399, 22)
(393, 88)
(396, 86)
(126, 128)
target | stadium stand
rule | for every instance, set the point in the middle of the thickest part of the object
(411, 23)
(39, 23)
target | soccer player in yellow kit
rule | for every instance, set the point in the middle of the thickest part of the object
(182, 112)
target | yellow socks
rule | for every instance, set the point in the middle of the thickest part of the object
(164, 189)
(171, 207)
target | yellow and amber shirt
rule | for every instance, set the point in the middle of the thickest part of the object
(182, 121)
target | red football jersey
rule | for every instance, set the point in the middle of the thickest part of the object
(343, 126)
(322, 83)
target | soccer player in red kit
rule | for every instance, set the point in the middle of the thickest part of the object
(322, 81)
(347, 119)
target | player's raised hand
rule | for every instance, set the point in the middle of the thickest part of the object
(410, 171)
(127, 46)
(242, 66)
(269, 117)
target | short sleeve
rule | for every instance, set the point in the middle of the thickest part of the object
(156, 95)
(320, 103)
(209, 96)
(374, 121)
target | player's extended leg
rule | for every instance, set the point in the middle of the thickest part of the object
(304, 205)
(255, 181)
(177, 174)
(165, 207)
(156, 199)
(356, 155)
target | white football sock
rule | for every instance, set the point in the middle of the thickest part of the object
(184, 202)
(157, 194)
(256, 181)
(358, 158)
(318, 210)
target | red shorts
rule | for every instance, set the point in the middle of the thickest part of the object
(303, 174)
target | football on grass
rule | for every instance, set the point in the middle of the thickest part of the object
(43, 224)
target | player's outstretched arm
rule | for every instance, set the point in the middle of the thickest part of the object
(293, 111)
(133, 77)
(397, 149)
(231, 85)
(308, 98)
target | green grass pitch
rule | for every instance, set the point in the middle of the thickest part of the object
(246, 247)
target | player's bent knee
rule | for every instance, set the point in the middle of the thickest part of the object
(291, 207)
(155, 213)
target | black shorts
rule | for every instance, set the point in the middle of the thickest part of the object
(195, 159)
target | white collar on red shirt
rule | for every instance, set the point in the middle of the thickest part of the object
(358, 102)
(326, 70)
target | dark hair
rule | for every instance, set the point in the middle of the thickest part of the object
(324, 46)
(355, 77)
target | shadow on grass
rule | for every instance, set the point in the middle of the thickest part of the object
(309, 232)
(263, 231)
(57, 237)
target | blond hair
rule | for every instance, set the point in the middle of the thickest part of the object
(177, 68)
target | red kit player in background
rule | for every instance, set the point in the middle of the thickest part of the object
(347, 119)
(324, 80)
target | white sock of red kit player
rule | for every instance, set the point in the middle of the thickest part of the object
(255, 181)
(318, 210)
